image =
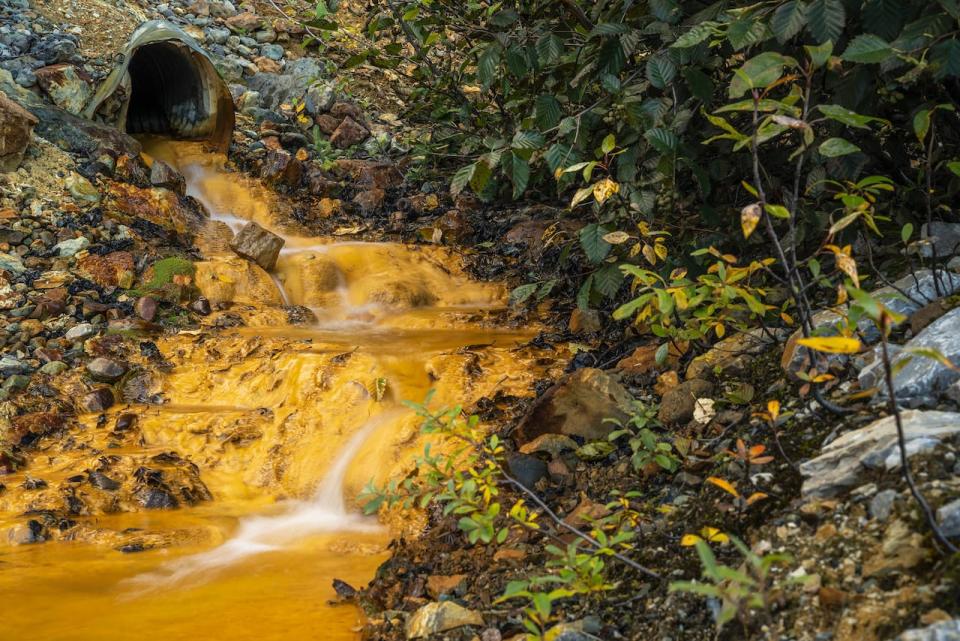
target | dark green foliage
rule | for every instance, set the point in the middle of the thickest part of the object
(529, 92)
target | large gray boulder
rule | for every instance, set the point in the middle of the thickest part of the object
(843, 463)
(904, 296)
(919, 379)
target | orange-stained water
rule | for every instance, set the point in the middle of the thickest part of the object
(285, 422)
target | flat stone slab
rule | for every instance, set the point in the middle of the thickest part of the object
(842, 464)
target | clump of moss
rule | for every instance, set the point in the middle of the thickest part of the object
(171, 279)
(166, 268)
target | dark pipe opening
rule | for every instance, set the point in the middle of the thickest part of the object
(167, 93)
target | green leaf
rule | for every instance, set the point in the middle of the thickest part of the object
(778, 211)
(759, 72)
(549, 48)
(487, 65)
(522, 293)
(834, 147)
(906, 232)
(847, 117)
(819, 54)
(954, 166)
(594, 246)
(660, 71)
(527, 140)
(609, 142)
(663, 140)
(549, 111)
(461, 179)
(744, 32)
(481, 176)
(921, 124)
(788, 20)
(607, 280)
(665, 10)
(884, 17)
(519, 175)
(867, 48)
(699, 83)
(583, 294)
(695, 35)
(945, 57)
(826, 19)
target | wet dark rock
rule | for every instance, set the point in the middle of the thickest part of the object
(154, 498)
(31, 483)
(344, 590)
(105, 370)
(98, 400)
(103, 482)
(526, 469)
(125, 422)
(678, 404)
(55, 47)
(255, 243)
(163, 175)
(577, 405)
(16, 125)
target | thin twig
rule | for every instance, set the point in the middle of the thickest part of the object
(931, 518)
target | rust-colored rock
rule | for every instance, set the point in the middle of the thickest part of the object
(348, 134)
(247, 21)
(327, 123)
(16, 125)
(576, 406)
(107, 270)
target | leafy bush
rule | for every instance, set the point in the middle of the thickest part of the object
(627, 112)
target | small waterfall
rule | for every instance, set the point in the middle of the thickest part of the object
(326, 512)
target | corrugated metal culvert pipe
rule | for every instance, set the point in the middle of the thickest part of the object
(166, 85)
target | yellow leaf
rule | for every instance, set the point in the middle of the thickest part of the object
(724, 485)
(841, 294)
(616, 237)
(832, 344)
(848, 266)
(719, 330)
(774, 408)
(749, 217)
(713, 535)
(689, 540)
(660, 249)
(756, 496)
(649, 254)
(604, 189)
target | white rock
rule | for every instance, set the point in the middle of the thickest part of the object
(843, 462)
